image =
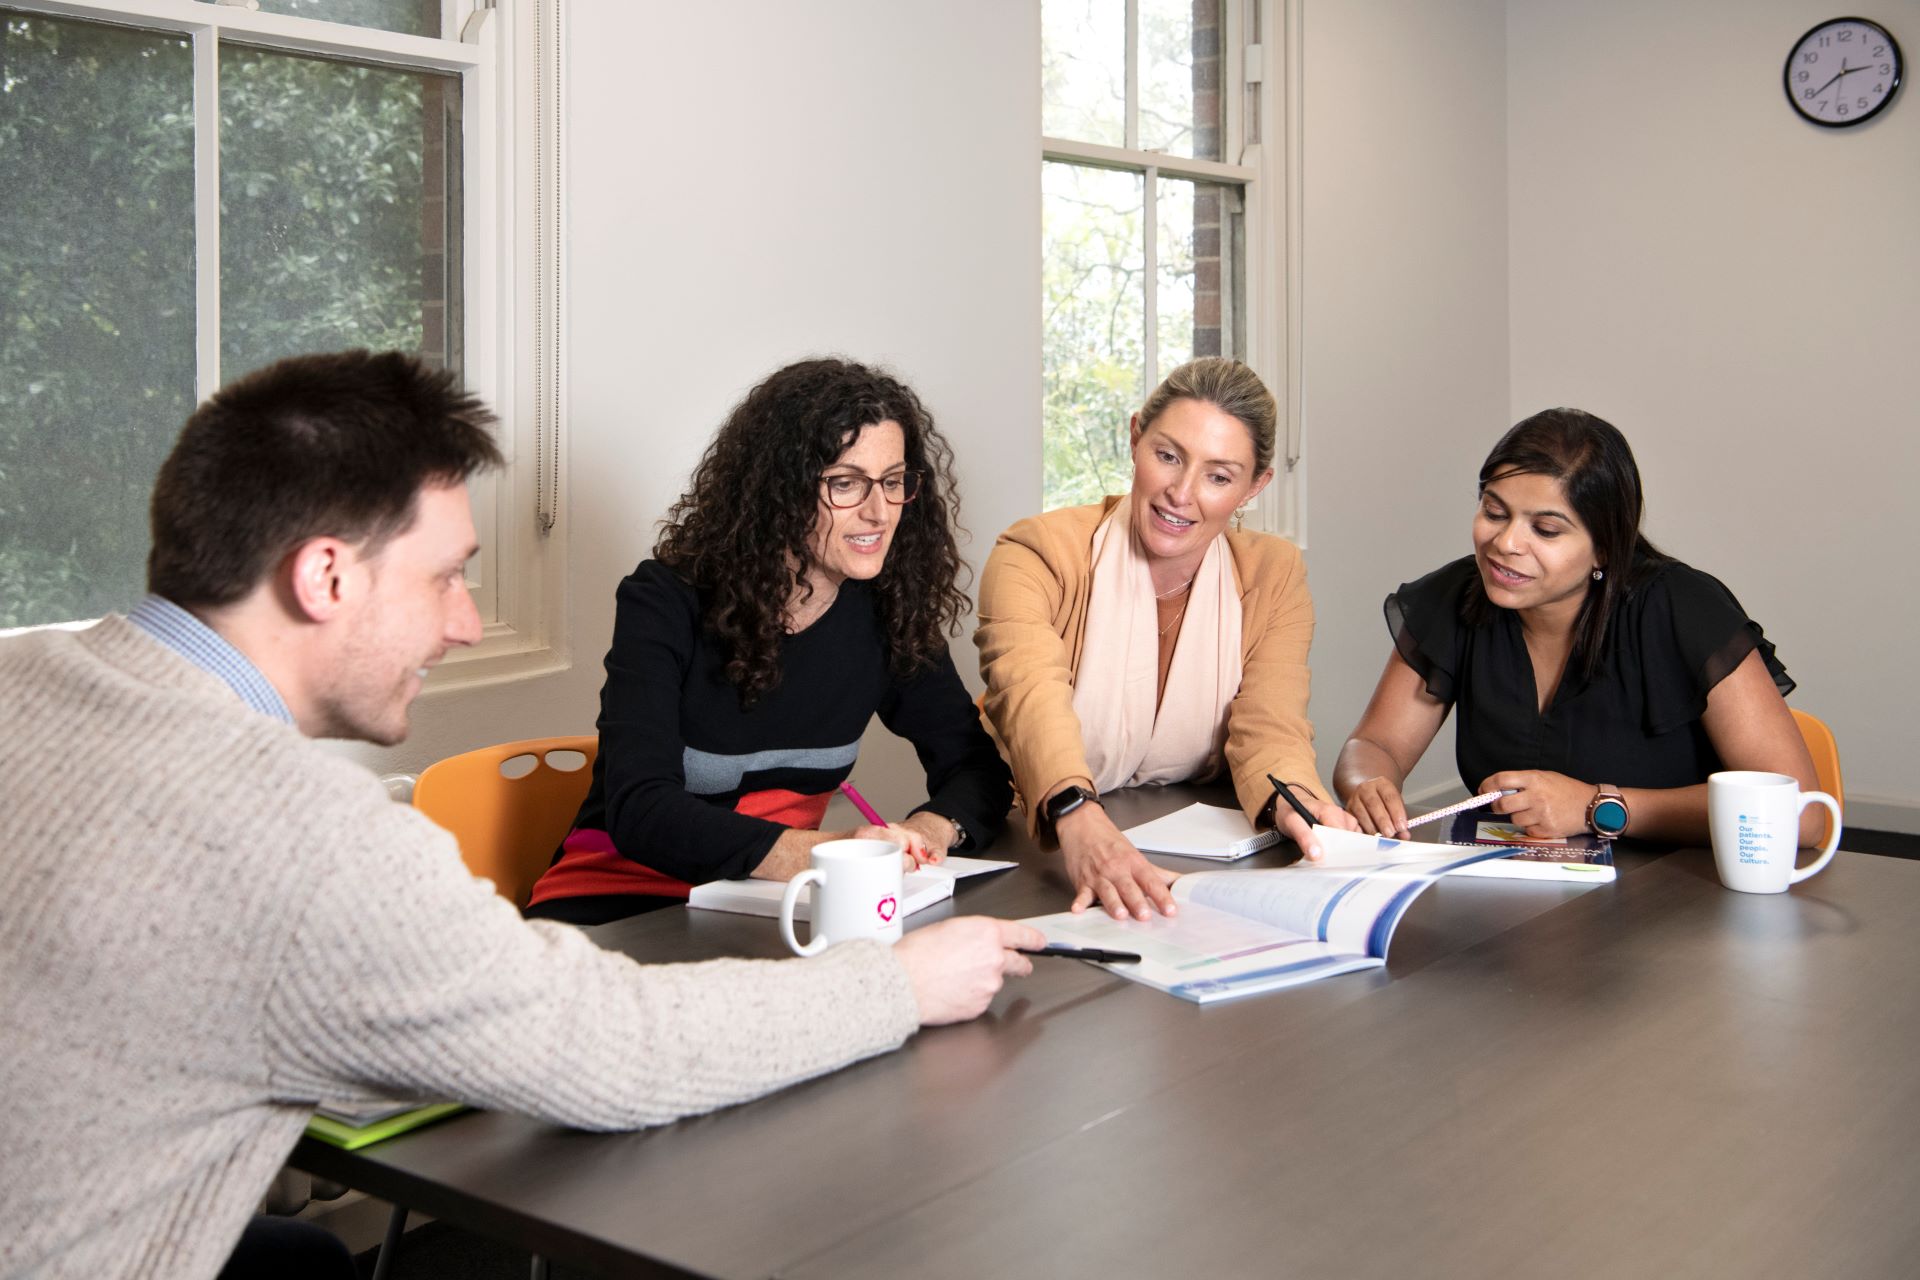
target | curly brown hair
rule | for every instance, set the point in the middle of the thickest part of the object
(742, 532)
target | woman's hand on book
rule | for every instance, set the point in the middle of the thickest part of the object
(938, 832)
(1378, 808)
(915, 852)
(1326, 813)
(1542, 803)
(792, 853)
(1105, 868)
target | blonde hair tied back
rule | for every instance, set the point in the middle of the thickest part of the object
(1229, 386)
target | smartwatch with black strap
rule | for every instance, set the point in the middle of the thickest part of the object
(1065, 801)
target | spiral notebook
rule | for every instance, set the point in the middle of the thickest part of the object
(1201, 831)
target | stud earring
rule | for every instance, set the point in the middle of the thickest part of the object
(1599, 574)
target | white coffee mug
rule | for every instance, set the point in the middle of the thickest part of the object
(858, 894)
(1754, 819)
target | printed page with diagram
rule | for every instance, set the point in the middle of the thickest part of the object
(1243, 932)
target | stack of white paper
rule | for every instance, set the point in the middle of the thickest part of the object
(1201, 831)
(918, 890)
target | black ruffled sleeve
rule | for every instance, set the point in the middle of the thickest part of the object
(1688, 633)
(1424, 619)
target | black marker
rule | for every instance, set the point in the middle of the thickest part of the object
(1282, 789)
(1094, 954)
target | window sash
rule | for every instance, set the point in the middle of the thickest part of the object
(1261, 119)
(1154, 167)
(208, 26)
(515, 577)
(280, 31)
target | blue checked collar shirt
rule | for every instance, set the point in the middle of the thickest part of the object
(199, 644)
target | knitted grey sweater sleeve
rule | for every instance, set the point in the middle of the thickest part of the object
(408, 977)
(208, 923)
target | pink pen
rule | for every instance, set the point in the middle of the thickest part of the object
(860, 803)
(867, 811)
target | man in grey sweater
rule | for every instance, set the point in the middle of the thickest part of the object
(208, 924)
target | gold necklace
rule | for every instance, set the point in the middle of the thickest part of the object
(1176, 618)
(1176, 591)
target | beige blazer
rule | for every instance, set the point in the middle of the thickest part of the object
(1033, 618)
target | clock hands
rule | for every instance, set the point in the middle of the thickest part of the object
(1844, 70)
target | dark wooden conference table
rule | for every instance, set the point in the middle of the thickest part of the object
(1652, 1077)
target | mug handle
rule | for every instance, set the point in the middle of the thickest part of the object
(818, 943)
(1833, 837)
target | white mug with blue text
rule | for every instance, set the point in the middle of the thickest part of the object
(1754, 819)
(856, 894)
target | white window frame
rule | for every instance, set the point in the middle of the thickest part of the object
(1260, 96)
(508, 60)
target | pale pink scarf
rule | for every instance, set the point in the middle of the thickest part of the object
(1127, 743)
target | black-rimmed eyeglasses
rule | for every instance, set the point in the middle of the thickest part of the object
(843, 491)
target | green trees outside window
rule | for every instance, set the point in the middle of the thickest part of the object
(1138, 260)
(339, 227)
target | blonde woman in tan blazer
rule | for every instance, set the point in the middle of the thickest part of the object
(1143, 640)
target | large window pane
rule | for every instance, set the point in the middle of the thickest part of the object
(1094, 302)
(410, 17)
(1180, 77)
(1174, 272)
(1083, 70)
(1194, 265)
(96, 330)
(339, 209)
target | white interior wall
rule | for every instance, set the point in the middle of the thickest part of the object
(1404, 337)
(749, 184)
(1736, 291)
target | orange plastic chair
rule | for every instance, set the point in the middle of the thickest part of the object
(1826, 759)
(508, 827)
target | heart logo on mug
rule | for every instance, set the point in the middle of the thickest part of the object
(888, 905)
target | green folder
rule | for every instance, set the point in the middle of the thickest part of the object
(352, 1137)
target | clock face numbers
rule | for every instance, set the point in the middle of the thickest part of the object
(1843, 72)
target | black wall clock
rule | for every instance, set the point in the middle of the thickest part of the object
(1843, 72)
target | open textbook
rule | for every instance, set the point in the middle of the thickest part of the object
(919, 890)
(1581, 859)
(1243, 932)
(1576, 859)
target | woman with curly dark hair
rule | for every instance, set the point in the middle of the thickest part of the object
(805, 581)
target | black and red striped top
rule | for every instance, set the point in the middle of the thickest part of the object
(689, 787)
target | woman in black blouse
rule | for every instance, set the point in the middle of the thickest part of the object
(804, 583)
(1598, 679)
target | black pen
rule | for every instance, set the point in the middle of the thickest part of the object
(1094, 954)
(1282, 789)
